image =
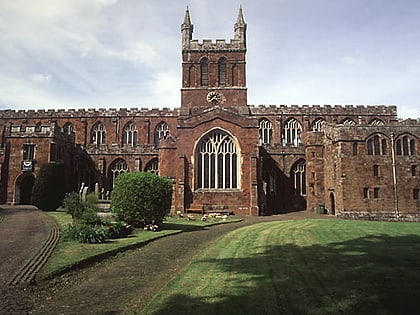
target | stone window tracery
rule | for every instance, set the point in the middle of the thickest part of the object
(292, 131)
(118, 167)
(161, 132)
(130, 134)
(299, 177)
(348, 122)
(377, 122)
(217, 161)
(318, 124)
(152, 166)
(98, 134)
(265, 131)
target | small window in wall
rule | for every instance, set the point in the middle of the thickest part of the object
(365, 193)
(413, 170)
(355, 149)
(376, 170)
(376, 192)
(222, 71)
(204, 67)
(416, 194)
(28, 152)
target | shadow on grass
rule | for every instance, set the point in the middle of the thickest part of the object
(377, 274)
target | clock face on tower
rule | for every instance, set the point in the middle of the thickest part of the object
(214, 98)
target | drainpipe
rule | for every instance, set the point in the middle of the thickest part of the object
(394, 176)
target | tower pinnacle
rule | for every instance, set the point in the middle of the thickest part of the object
(240, 27)
(186, 29)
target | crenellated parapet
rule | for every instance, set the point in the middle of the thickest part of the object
(325, 110)
(218, 45)
(87, 113)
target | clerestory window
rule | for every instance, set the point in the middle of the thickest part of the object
(292, 131)
(265, 131)
(130, 134)
(98, 134)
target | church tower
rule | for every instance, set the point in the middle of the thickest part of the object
(213, 72)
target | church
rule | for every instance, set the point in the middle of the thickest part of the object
(221, 153)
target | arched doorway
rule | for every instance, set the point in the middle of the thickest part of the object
(332, 204)
(24, 190)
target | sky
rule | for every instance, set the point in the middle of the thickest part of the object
(127, 53)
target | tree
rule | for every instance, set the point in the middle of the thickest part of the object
(140, 198)
(49, 186)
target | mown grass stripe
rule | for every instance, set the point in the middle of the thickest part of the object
(302, 267)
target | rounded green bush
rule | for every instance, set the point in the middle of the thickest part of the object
(139, 198)
(49, 187)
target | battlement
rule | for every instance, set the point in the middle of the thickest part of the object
(325, 110)
(219, 44)
(90, 112)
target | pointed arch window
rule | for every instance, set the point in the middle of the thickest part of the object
(348, 122)
(265, 131)
(222, 71)
(98, 134)
(118, 167)
(68, 128)
(377, 122)
(204, 67)
(377, 145)
(161, 132)
(405, 145)
(299, 177)
(217, 163)
(152, 166)
(292, 131)
(130, 134)
(318, 125)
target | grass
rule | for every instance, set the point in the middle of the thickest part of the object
(71, 254)
(301, 267)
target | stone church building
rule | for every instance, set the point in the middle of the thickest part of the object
(220, 152)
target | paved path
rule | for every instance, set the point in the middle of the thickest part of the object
(27, 237)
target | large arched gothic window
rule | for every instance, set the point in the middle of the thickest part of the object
(265, 131)
(299, 177)
(217, 163)
(292, 131)
(222, 71)
(161, 132)
(130, 134)
(204, 68)
(118, 167)
(98, 134)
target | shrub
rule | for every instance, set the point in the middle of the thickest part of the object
(139, 198)
(85, 233)
(73, 205)
(49, 186)
(90, 217)
(118, 229)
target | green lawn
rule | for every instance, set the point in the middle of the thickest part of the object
(301, 267)
(69, 254)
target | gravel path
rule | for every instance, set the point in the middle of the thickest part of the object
(125, 283)
(23, 231)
